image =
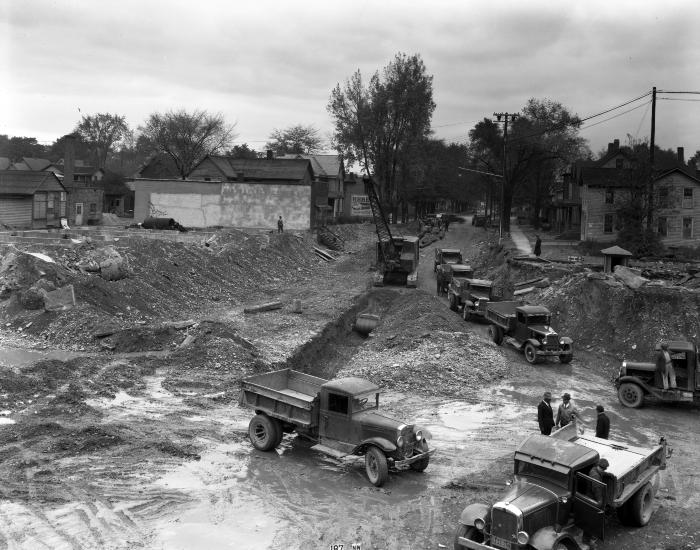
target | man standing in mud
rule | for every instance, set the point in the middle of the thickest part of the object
(567, 411)
(545, 415)
(280, 225)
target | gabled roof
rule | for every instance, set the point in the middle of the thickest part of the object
(323, 165)
(35, 163)
(261, 169)
(4, 163)
(27, 182)
(595, 176)
(615, 251)
(684, 170)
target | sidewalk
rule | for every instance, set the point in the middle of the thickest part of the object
(519, 239)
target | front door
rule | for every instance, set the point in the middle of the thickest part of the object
(78, 213)
(589, 505)
(335, 418)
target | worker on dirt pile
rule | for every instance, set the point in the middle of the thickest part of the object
(566, 412)
(545, 415)
(280, 225)
(602, 426)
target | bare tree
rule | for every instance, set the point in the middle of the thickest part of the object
(188, 137)
(101, 132)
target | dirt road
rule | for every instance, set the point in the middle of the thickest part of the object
(163, 460)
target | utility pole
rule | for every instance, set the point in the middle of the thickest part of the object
(650, 185)
(506, 117)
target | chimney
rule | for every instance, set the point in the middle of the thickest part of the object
(610, 147)
(270, 154)
(616, 144)
(680, 153)
(68, 171)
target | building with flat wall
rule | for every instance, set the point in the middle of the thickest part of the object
(226, 192)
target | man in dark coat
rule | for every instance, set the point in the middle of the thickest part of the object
(602, 425)
(538, 246)
(545, 415)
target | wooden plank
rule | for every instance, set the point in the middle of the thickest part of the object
(528, 283)
(263, 307)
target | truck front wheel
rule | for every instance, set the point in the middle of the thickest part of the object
(496, 334)
(422, 464)
(466, 313)
(531, 354)
(376, 466)
(264, 432)
(641, 506)
(467, 532)
(630, 395)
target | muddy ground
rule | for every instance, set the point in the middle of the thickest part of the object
(140, 442)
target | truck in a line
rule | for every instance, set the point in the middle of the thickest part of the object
(340, 416)
(471, 296)
(553, 501)
(527, 328)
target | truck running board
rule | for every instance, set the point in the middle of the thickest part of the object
(329, 451)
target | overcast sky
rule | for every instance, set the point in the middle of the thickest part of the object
(269, 64)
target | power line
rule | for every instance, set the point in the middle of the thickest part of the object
(615, 116)
(676, 99)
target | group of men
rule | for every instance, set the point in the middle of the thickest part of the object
(566, 413)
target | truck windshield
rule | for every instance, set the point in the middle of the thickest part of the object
(535, 470)
(538, 320)
(364, 402)
(451, 258)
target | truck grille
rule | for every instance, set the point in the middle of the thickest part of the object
(504, 527)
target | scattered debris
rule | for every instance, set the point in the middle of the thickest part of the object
(61, 299)
(263, 307)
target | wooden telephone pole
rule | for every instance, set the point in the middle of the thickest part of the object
(506, 117)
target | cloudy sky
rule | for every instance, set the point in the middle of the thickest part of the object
(269, 64)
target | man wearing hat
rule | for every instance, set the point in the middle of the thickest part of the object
(567, 411)
(545, 415)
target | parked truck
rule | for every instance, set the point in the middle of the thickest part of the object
(447, 256)
(553, 500)
(447, 273)
(470, 296)
(340, 416)
(636, 381)
(528, 329)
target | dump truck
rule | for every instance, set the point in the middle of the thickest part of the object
(341, 417)
(527, 328)
(447, 256)
(636, 381)
(553, 500)
(447, 272)
(470, 296)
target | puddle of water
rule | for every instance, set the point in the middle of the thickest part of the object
(5, 421)
(14, 357)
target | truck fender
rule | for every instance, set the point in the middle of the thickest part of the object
(468, 303)
(533, 341)
(547, 537)
(566, 340)
(477, 510)
(380, 442)
(635, 380)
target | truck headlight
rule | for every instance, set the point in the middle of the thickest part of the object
(419, 435)
(561, 342)
(479, 524)
(522, 537)
(399, 441)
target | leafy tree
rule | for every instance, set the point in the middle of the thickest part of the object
(188, 137)
(243, 152)
(101, 132)
(541, 142)
(381, 125)
(57, 150)
(297, 139)
(15, 148)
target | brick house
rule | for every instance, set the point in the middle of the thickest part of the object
(31, 199)
(228, 192)
(604, 186)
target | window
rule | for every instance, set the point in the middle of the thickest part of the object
(663, 197)
(687, 228)
(93, 208)
(619, 163)
(608, 223)
(338, 403)
(40, 206)
(609, 196)
(687, 197)
(662, 227)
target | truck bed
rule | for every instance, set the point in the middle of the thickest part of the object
(284, 394)
(501, 313)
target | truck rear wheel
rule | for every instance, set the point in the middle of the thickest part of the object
(467, 532)
(641, 506)
(376, 466)
(531, 353)
(496, 334)
(630, 395)
(453, 302)
(264, 432)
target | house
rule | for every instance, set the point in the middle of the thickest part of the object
(85, 192)
(31, 199)
(158, 166)
(605, 185)
(5, 163)
(356, 204)
(29, 163)
(329, 169)
(223, 191)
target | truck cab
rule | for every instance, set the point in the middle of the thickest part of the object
(446, 273)
(553, 499)
(473, 295)
(447, 256)
(637, 380)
